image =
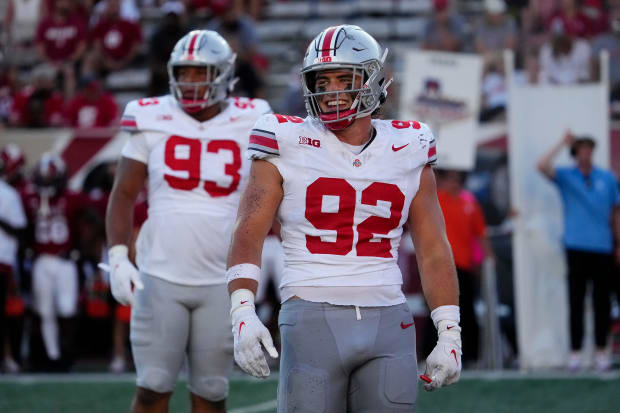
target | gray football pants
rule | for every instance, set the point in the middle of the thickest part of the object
(333, 363)
(171, 322)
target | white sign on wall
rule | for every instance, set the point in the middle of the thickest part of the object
(538, 117)
(443, 90)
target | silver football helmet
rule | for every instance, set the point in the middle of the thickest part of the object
(345, 47)
(202, 48)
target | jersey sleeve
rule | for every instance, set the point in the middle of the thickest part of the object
(424, 140)
(129, 121)
(263, 139)
(136, 147)
(262, 107)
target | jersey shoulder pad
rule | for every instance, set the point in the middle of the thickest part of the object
(271, 133)
(416, 134)
(140, 112)
(247, 108)
(425, 141)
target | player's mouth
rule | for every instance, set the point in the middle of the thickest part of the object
(335, 105)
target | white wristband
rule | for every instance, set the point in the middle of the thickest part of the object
(250, 271)
(446, 312)
(241, 298)
(118, 252)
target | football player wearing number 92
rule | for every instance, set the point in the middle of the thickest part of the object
(188, 147)
(342, 186)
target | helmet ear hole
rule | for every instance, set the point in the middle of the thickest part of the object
(310, 79)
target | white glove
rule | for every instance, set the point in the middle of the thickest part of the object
(443, 365)
(249, 333)
(122, 275)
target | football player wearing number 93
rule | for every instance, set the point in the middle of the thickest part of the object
(188, 146)
(342, 186)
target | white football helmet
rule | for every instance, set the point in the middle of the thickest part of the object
(345, 47)
(202, 48)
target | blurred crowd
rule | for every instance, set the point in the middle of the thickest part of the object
(55, 299)
(56, 55)
(555, 42)
(56, 59)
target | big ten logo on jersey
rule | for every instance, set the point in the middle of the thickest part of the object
(244, 103)
(213, 165)
(331, 205)
(309, 141)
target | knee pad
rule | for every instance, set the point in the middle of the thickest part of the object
(157, 380)
(213, 389)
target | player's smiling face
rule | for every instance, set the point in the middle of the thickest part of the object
(337, 80)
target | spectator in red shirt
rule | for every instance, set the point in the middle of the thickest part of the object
(569, 19)
(60, 36)
(92, 107)
(39, 104)
(116, 41)
(465, 226)
(597, 20)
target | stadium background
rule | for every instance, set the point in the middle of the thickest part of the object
(44, 107)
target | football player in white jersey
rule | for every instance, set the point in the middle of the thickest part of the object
(188, 146)
(342, 186)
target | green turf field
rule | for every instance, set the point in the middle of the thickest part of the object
(84, 394)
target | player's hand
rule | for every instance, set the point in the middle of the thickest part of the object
(122, 275)
(249, 333)
(443, 365)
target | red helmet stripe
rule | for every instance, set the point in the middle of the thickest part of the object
(327, 42)
(192, 43)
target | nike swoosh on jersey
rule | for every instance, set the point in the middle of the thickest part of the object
(395, 149)
(405, 326)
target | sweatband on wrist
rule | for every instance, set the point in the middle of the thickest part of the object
(446, 312)
(118, 253)
(241, 298)
(249, 271)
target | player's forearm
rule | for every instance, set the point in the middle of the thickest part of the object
(119, 219)
(244, 259)
(438, 275)
(245, 247)
(242, 283)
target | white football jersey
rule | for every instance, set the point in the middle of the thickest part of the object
(195, 176)
(342, 213)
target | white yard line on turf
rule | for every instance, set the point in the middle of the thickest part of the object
(256, 408)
